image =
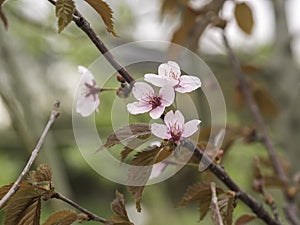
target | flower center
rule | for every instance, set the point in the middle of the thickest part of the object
(173, 75)
(175, 131)
(155, 101)
(92, 89)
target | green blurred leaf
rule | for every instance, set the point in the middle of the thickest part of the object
(24, 207)
(2, 16)
(64, 13)
(103, 9)
(244, 17)
(244, 219)
(64, 217)
(121, 216)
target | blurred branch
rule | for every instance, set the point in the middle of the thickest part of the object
(291, 207)
(53, 116)
(84, 25)
(222, 175)
(91, 215)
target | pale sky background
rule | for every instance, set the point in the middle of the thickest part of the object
(150, 27)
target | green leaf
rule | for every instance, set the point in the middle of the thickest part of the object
(64, 13)
(64, 217)
(244, 219)
(139, 175)
(202, 193)
(126, 134)
(103, 9)
(2, 16)
(121, 216)
(24, 207)
(244, 17)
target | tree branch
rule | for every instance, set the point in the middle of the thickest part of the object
(84, 25)
(91, 215)
(291, 207)
(34, 154)
(214, 204)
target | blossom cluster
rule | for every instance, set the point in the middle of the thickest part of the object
(169, 79)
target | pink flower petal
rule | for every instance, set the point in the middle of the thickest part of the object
(159, 81)
(190, 128)
(188, 84)
(179, 118)
(170, 119)
(157, 169)
(166, 69)
(157, 112)
(87, 105)
(142, 90)
(138, 107)
(167, 95)
(160, 130)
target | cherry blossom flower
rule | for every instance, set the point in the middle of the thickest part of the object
(149, 101)
(175, 129)
(88, 101)
(169, 74)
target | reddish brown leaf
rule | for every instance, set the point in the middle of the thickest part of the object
(243, 16)
(2, 15)
(126, 134)
(42, 174)
(201, 193)
(250, 69)
(103, 9)
(64, 217)
(244, 219)
(140, 174)
(226, 207)
(23, 208)
(121, 216)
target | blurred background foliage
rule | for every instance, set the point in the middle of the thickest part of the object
(38, 66)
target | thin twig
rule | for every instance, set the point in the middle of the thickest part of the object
(91, 215)
(34, 154)
(85, 26)
(291, 207)
(214, 204)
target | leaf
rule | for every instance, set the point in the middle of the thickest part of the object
(139, 175)
(244, 17)
(244, 219)
(24, 207)
(64, 12)
(3, 191)
(201, 193)
(2, 15)
(127, 133)
(121, 216)
(64, 217)
(42, 174)
(103, 9)
(226, 206)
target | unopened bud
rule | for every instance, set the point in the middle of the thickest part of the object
(120, 79)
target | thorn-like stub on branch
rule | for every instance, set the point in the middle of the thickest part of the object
(56, 106)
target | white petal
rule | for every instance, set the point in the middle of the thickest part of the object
(188, 84)
(138, 107)
(167, 95)
(190, 128)
(157, 169)
(157, 112)
(87, 76)
(159, 81)
(179, 118)
(141, 90)
(170, 119)
(87, 105)
(166, 69)
(160, 130)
